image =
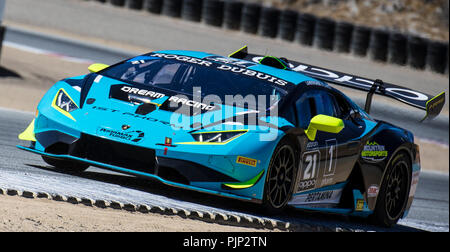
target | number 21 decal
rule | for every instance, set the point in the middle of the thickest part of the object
(311, 160)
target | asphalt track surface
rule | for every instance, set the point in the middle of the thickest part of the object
(25, 171)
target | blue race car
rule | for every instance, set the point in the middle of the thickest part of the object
(250, 127)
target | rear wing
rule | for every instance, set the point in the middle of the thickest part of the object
(431, 104)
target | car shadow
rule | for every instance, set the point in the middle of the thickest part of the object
(5, 72)
(295, 217)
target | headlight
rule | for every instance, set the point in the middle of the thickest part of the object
(64, 102)
(217, 137)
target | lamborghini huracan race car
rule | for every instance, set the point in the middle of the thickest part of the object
(250, 127)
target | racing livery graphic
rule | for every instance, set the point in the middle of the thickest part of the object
(255, 128)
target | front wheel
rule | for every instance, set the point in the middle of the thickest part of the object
(280, 178)
(394, 191)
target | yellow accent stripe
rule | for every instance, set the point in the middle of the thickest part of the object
(215, 143)
(221, 131)
(238, 51)
(432, 99)
(245, 184)
(441, 93)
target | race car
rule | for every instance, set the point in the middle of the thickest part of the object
(256, 128)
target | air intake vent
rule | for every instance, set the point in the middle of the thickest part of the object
(145, 108)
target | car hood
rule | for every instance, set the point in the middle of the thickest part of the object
(153, 105)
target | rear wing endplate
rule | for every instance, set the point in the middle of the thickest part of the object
(431, 104)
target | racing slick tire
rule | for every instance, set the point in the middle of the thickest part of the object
(65, 165)
(394, 192)
(281, 175)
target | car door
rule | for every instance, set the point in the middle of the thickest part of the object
(329, 158)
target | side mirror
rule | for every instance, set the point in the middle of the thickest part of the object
(97, 67)
(323, 123)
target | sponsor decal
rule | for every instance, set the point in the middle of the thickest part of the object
(182, 58)
(253, 73)
(312, 145)
(372, 191)
(311, 164)
(315, 83)
(326, 181)
(436, 103)
(175, 99)
(306, 184)
(374, 152)
(143, 117)
(246, 161)
(230, 61)
(223, 64)
(319, 196)
(411, 96)
(133, 136)
(143, 92)
(191, 103)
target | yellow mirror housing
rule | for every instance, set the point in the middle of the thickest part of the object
(323, 123)
(97, 67)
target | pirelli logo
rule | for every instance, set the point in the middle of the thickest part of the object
(246, 161)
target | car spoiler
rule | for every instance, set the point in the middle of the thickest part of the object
(431, 104)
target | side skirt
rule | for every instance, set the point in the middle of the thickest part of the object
(327, 198)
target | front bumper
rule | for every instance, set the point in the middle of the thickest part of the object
(145, 174)
(92, 134)
(176, 168)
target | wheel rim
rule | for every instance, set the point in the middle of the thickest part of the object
(397, 187)
(281, 177)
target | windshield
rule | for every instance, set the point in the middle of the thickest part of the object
(195, 77)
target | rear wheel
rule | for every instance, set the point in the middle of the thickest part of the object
(280, 178)
(65, 165)
(394, 192)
